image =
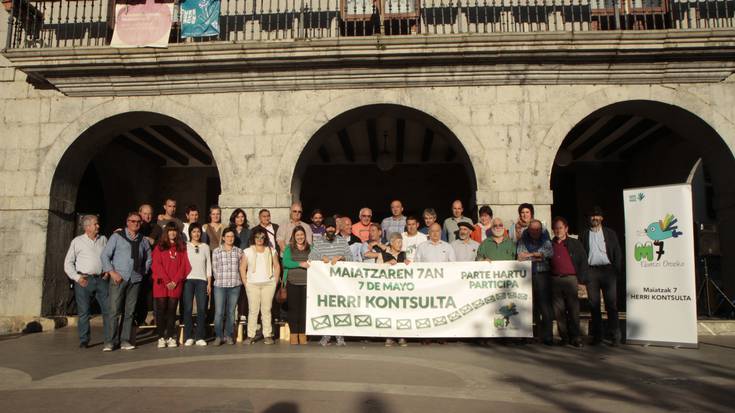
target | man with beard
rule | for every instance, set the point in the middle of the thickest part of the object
(465, 248)
(605, 259)
(497, 247)
(317, 224)
(330, 249)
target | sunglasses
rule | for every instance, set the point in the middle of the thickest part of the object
(196, 249)
(134, 221)
(366, 216)
(260, 236)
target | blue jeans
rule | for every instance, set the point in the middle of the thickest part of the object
(123, 298)
(97, 288)
(225, 298)
(195, 289)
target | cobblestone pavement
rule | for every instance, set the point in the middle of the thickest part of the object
(47, 372)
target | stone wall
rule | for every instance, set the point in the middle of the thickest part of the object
(511, 134)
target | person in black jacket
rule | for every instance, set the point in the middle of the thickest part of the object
(568, 269)
(605, 260)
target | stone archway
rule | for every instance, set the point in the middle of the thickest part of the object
(110, 169)
(644, 143)
(369, 155)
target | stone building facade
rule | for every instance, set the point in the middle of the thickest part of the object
(508, 101)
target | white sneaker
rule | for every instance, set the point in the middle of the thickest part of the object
(324, 341)
(171, 342)
(201, 343)
(107, 347)
(243, 318)
(161, 343)
(127, 346)
(189, 342)
(341, 342)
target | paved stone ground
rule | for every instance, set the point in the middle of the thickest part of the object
(47, 372)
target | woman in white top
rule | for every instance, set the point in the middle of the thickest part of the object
(198, 284)
(260, 264)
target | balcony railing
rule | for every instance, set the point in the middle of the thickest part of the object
(80, 23)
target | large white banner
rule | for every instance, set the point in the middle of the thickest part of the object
(661, 292)
(457, 299)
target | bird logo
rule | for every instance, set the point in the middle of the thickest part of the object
(506, 312)
(663, 229)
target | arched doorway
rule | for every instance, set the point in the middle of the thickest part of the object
(646, 143)
(112, 168)
(370, 155)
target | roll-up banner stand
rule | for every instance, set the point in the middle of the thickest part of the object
(660, 266)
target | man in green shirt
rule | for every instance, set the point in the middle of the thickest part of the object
(497, 247)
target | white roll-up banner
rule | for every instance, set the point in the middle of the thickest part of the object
(660, 265)
(457, 299)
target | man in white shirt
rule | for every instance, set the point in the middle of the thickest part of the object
(435, 250)
(412, 238)
(83, 265)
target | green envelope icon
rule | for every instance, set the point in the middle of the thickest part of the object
(440, 321)
(363, 320)
(403, 324)
(423, 323)
(455, 316)
(320, 322)
(342, 320)
(383, 322)
(478, 303)
(466, 309)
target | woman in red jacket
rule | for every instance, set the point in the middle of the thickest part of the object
(170, 267)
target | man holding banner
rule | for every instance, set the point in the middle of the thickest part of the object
(330, 249)
(605, 260)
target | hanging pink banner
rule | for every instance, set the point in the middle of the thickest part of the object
(142, 25)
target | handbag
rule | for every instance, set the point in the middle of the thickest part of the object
(282, 294)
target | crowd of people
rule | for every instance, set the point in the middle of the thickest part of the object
(245, 273)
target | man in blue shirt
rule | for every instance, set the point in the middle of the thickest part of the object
(126, 258)
(605, 259)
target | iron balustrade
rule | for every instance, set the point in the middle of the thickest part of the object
(80, 23)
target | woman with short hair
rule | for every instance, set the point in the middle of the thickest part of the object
(227, 276)
(212, 231)
(393, 255)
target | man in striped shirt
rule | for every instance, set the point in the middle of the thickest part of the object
(330, 249)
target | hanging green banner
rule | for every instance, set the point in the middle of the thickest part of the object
(200, 18)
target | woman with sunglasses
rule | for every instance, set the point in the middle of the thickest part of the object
(170, 267)
(198, 285)
(261, 274)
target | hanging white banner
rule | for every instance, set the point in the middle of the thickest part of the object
(661, 292)
(457, 299)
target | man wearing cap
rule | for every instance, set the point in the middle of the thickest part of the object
(605, 260)
(465, 248)
(330, 249)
